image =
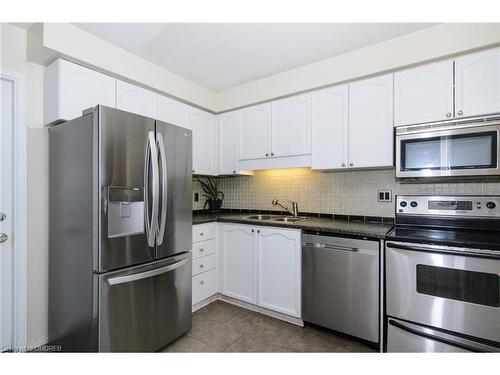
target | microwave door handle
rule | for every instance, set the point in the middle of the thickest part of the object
(443, 337)
(144, 275)
(164, 188)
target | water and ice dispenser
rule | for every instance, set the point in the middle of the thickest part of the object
(125, 211)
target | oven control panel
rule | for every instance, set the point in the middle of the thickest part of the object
(466, 205)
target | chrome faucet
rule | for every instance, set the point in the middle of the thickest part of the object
(295, 207)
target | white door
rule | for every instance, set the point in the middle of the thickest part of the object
(172, 111)
(239, 262)
(255, 132)
(330, 126)
(291, 126)
(477, 80)
(370, 122)
(203, 127)
(135, 99)
(228, 143)
(279, 265)
(424, 94)
(6, 196)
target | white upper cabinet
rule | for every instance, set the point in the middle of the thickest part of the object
(239, 262)
(202, 124)
(371, 122)
(172, 111)
(70, 88)
(279, 270)
(291, 126)
(135, 99)
(330, 126)
(255, 132)
(228, 143)
(477, 83)
(424, 94)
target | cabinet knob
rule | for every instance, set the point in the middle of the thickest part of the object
(253, 231)
(351, 163)
(201, 265)
(201, 234)
(343, 164)
(193, 170)
(460, 113)
(267, 154)
(201, 249)
(448, 114)
(258, 231)
(202, 282)
(2, 216)
(272, 153)
(234, 171)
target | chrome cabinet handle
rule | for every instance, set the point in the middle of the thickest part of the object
(272, 153)
(267, 154)
(351, 163)
(234, 171)
(3, 237)
(164, 189)
(460, 113)
(202, 234)
(258, 230)
(201, 265)
(343, 164)
(201, 249)
(202, 282)
(2, 216)
(193, 170)
(253, 231)
(151, 155)
(448, 114)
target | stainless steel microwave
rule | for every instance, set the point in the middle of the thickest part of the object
(465, 149)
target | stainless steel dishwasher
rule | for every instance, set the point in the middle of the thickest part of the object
(340, 284)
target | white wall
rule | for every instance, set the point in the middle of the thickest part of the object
(13, 58)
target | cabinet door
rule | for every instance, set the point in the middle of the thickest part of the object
(228, 145)
(330, 125)
(291, 126)
(172, 111)
(370, 122)
(477, 80)
(203, 127)
(424, 94)
(135, 99)
(239, 262)
(255, 132)
(279, 270)
(70, 88)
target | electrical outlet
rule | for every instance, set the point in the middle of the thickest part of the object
(196, 197)
(384, 196)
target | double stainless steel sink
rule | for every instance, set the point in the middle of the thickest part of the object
(282, 219)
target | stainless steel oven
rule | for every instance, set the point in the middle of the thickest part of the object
(465, 149)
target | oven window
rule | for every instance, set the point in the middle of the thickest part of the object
(463, 151)
(461, 285)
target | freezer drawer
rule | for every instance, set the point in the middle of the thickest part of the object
(144, 308)
(340, 285)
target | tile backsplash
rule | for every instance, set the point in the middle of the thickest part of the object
(340, 192)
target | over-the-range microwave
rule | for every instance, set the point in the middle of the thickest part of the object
(441, 150)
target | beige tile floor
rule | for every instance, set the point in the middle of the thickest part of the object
(221, 327)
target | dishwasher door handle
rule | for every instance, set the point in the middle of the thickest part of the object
(331, 247)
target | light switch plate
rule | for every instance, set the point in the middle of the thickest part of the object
(384, 195)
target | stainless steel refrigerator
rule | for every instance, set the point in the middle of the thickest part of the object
(120, 232)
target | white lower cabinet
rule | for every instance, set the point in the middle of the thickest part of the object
(204, 262)
(262, 266)
(279, 270)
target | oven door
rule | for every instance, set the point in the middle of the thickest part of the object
(438, 287)
(470, 151)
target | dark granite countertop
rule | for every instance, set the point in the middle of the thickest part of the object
(332, 225)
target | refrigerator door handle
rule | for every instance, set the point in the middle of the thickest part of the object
(144, 275)
(164, 189)
(151, 160)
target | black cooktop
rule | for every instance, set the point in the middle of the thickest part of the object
(471, 238)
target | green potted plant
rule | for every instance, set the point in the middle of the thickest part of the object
(211, 190)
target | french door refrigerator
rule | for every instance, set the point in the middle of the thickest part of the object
(120, 232)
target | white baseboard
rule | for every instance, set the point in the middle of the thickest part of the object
(203, 303)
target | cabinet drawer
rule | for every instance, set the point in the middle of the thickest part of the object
(204, 286)
(200, 249)
(203, 232)
(203, 264)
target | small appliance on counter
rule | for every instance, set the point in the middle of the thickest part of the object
(120, 232)
(443, 274)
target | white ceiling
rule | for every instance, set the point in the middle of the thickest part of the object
(223, 55)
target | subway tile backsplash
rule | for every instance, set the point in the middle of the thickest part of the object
(340, 192)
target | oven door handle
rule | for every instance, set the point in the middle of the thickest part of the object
(443, 337)
(480, 253)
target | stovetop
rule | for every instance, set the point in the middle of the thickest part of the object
(479, 239)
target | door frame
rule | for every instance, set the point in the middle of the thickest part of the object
(19, 253)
